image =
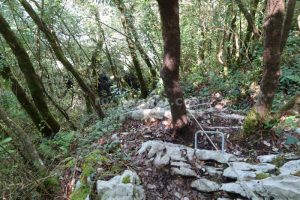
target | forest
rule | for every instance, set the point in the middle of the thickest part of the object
(149, 99)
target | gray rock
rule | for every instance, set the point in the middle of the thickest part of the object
(215, 155)
(124, 187)
(278, 187)
(267, 158)
(157, 113)
(164, 152)
(291, 156)
(212, 171)
(183, 169)
(246, 171)
(204, 185)
(290, 167)
(115, 138)
(297, 130)
(178, 195)
(236, 188)
(78, 185)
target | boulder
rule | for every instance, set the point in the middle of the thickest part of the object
(126, 187)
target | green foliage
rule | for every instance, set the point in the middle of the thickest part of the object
(290, 140)
(58, 146)
(81, 193)
(112, 121)
(279, 161)
(52, 182)
(93, 159)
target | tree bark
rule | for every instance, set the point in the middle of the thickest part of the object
(287, 23)
(31, 77)
(293, 102)
(248, 17)
(25, 102)
(273, 27)
(113, 67)
(169, 12)
(249, 27)
(132, 50)
(271, 57)
(31, 158)
(128, 21)
(54, 43)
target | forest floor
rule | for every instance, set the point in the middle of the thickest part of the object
(160, 183)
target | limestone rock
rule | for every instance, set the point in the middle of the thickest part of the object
(290, 167)
(267, 158)
(157, 113)
(212, 171)
(125, 187)
(214, 155)
(278, 187)
(247, 171)
(183, 169)
(204, 185)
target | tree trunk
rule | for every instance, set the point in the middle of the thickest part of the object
(273, 27)
(135, 60)
(293, 102)
(169, 12)
(54, 43)
(287, 23)
(249, 27)
(249, 18)
(50, 187)
(31, 77)
(25, 102)
(128, 21)
(113, 67)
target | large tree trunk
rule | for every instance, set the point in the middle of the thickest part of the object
(273, 27)
(31, 77)
(169, 12)
(132, 50)
(25, 102)
(50, 186)
(54, 42)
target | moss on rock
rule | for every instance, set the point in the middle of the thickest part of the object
(91, 160)
(126, 179)
(251, 122)
(262, 176)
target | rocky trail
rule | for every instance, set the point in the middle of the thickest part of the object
(160, 167)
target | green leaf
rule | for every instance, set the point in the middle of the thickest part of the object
(5, 141)
(291, 140)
